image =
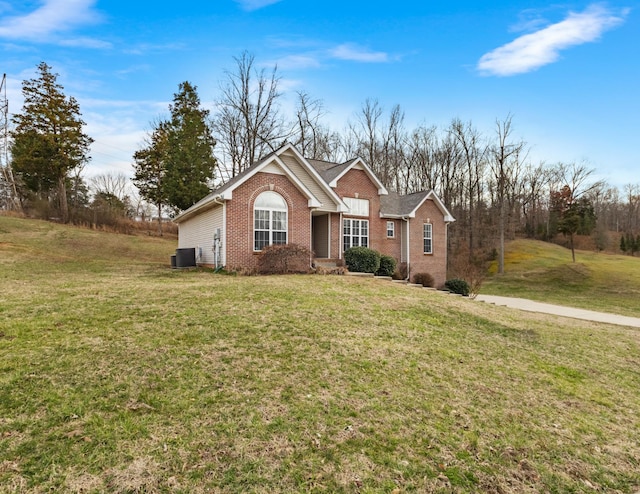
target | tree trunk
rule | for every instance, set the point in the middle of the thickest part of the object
(160, 219)
(573, 252)
(62, 197)
(501, 253)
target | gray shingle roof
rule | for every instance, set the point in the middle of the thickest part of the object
(391, 204)
(328, 170)
(395, 204)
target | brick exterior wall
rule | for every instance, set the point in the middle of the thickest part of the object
(240, 254)
(358, 182)
(436, 263)
(336, 236)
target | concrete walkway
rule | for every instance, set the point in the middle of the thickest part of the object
(559, 310)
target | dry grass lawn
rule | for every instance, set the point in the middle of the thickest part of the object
(118, 374)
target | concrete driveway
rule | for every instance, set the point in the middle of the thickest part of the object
(559, 310)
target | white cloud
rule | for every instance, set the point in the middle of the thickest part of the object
(292, 62)
(86, 43)
(54, 16)
(251, 5)
(532, 51)
(349, 51)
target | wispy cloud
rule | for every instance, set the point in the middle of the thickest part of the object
(293, 62)
(349, 51)
(532, 51)
(86, 43)
(251, 5)
(51, 18)
(145, 48)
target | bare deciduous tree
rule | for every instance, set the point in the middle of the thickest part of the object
(505, 162)
(248, 122)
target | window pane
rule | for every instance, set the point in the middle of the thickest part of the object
(356, 227)
(279, 220)
(364, 227)
(261, 240)
(427, 237)
(270, 200)
(261, 219)
(279, 238)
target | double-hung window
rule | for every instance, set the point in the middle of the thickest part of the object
(355, 233)
(427, 238)
(269, 220)
(391, 229)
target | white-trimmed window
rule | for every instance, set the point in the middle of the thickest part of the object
(357, 207)
(427, 238)
(391, 229)
(269, 220)
(355, 233)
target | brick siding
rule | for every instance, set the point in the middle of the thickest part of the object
(240, 254)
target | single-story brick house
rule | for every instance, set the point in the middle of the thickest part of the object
(326, 207)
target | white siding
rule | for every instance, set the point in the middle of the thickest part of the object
(273, 168)
(198, 232)
(298, 170)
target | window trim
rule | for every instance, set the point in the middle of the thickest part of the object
(354, 224)
(391, 224)
(427, 236)
(271, 222)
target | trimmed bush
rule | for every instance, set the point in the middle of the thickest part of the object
(284, 259)
(362, 260)
(424, 279)
(387, 266)
(458, 286)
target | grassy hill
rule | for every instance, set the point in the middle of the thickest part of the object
(543, 271)
(118, 374)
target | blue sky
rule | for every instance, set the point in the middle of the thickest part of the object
(568, 73)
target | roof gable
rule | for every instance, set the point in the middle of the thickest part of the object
(356, 164)
(267, 164)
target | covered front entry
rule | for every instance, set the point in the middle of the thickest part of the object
(321, 235)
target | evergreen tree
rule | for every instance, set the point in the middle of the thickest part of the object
(48, 141)
(177, 166)
(623, 244)
(190, 160)
(150, 169)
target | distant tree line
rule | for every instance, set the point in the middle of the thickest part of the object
(486, 180)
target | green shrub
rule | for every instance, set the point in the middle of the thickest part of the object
(284, 259)
(387, 266)
(458, 286)
(362, 260)
(424, 279)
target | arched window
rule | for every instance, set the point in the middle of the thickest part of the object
(269, 220)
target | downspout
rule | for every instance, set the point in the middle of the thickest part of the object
(217, 249)
(407, 246)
